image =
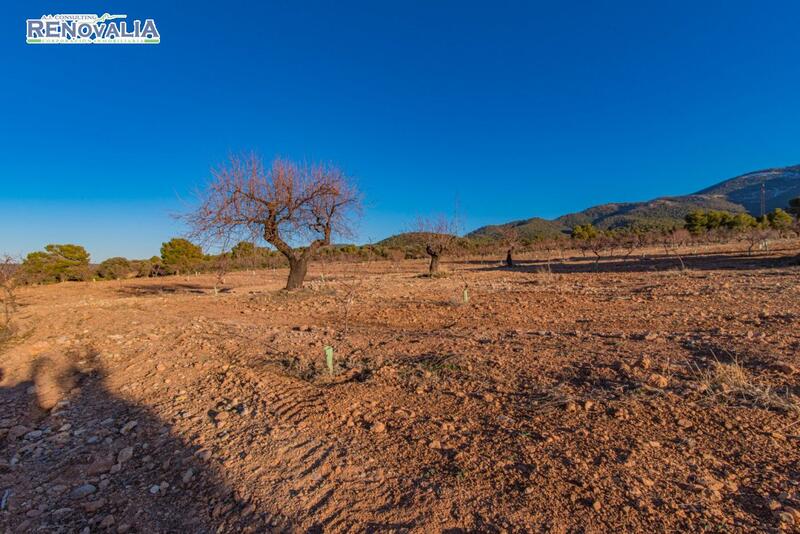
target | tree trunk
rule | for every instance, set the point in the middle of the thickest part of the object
(509, 259)
(434, 267)
(298, 267)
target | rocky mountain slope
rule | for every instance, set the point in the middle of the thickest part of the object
(738, 194)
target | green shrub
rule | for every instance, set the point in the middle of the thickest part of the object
(585, 232)
(180, 255)
(115, 268)
(58, 263)
(243, 249)
(780, 220)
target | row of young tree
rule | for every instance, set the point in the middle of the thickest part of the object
(701, 226)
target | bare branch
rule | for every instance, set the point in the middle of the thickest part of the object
(283, 205)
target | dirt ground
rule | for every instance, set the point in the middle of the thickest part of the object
(626, 396)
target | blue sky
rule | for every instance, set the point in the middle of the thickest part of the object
(510, 109)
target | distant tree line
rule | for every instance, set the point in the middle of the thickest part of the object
(701, 226)
(179, 256)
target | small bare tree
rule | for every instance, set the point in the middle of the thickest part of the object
(8, 296)
(437, 235)
(283, 205)
(758, 237)
(673, 240)
(509, 236)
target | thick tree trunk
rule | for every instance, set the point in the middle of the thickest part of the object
(434, 267)
(509, 259)
(298, 267)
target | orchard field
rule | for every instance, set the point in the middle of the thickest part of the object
(564, 396)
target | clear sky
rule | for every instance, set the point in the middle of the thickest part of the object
(512, 109)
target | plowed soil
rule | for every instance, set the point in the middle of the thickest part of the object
(623, 396)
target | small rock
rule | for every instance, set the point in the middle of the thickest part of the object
(658, 381)
(435, 444)
(155, 488)
(187, 475)
(34, 434)
(125, 455)
(93, 506)
(82, 491)
(597, 506)
(712, 483)
(107, 521)
(379, 428)
(793, 512)
(100, 465)
(786, 519)
(128, 427)
(17, 432)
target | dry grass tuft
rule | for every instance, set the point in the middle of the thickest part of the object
(731, 381)
(544, 275)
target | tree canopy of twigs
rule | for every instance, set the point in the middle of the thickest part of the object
(285, 204)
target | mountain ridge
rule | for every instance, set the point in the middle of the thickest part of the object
(738, 194)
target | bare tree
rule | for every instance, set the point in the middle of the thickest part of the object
(628, 241)
(283, 205)
(8, 297)
(758, 237)
(673, 240)
(437, 235)
(509, 235)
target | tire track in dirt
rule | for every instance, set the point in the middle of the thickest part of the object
(318, 474)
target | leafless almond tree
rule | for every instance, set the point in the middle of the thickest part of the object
(673, 240)
(509, 235)
(285, 204)
(437, 235)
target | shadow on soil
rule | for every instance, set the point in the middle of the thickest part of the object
(169, 288)
(621, 264)
(62, 435)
